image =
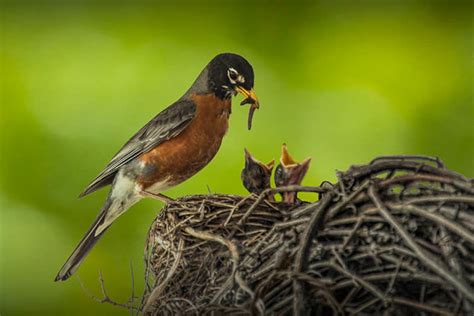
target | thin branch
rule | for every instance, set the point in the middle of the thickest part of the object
(105, 297)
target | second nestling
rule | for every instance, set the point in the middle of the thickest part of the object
(256, 175)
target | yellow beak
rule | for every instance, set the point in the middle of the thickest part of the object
(250, 96)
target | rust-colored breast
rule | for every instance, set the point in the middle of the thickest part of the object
(183, 156)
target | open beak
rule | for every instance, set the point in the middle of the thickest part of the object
(251, 159)
(286, 159)
(250, 98)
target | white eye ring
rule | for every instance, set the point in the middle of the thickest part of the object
(233, 75)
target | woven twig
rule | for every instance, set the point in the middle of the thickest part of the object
(395, 236)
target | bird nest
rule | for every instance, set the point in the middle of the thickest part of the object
(395, 236)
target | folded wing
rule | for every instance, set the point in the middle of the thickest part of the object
(166, 125)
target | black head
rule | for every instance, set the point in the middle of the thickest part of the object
(231, 73)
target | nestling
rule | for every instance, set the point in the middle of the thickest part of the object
(256, 175)
(290, 172)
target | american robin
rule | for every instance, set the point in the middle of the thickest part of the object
(290, 172)
(169, 149)
(256, 175)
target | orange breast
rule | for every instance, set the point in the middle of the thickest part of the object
(184, 155)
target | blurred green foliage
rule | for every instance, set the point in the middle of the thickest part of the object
(341, 83)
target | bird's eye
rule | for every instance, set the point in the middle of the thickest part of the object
(233, 75)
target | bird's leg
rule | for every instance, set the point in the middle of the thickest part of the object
(157, 196)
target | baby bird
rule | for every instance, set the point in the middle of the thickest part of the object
(256, 175)
(290, 172)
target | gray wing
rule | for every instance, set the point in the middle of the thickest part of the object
(166, 125)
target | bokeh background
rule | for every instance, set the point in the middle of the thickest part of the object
(341, 82)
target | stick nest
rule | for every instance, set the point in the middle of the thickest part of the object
(395, 236)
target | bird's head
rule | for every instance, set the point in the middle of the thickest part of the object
(229, 74)
(251, 161)
(289, 171)
(256, 175)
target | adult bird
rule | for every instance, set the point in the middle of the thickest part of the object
(169, 149)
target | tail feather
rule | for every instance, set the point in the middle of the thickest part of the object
(84, 246)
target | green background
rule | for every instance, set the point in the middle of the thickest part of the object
(341, 83)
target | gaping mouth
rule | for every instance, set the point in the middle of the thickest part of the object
(266, 166)
(250, 98)
(286, 160)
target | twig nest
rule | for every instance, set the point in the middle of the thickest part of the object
(395, 236)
